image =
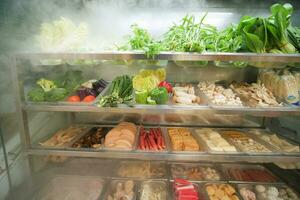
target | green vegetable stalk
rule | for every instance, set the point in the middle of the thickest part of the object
(281, 19)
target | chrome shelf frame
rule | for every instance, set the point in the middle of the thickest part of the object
(195, 157)
(158, 109)
(23, 107)
(138, 55)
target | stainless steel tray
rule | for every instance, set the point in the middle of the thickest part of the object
(252, 187)
(122, 149)
(164, 187)
(205, 185)
(202, 148)
(165, 138)
(66, 145)
(250, 136)
(264, 131)
(142, 170)
(189, 167)
(64, 102)
(93, 130)
(112, 187)
(197, 135)
(241, 167)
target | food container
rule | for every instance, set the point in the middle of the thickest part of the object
(268, 150)
(220, 191)
(72, 187)
(141, 170)
(248, 173)
(65, 100)
(196, 172)
(92, 131)
(202, 100)
(123, 149)
(203, 142)
(200, 190)
(249, 188)
(217, 106)
(279, 150)
(157, 190)
(165, 139)
(275, 190)
(86, 129)
(201, 150)
(121, 185)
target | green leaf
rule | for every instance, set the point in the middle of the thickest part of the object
(254, 43)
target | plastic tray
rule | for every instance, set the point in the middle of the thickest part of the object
(111, 189)
(190, 166)
(241, 167)
(66, 145)
(163, 130)
(202, 148)
(142, 170)
(164, 188)
(72, 187)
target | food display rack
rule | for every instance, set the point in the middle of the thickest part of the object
(141, 110)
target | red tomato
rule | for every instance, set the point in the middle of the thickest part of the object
(74, 99)
(89, 98)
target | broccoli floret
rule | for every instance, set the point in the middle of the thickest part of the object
(36, 95)
(56, 94)
(47, 85)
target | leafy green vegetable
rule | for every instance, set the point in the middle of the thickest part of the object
(46, 85)
(281, 15)
(294, 36)
(71, 80)
(142, 40)
(120, 91)
(36, 95)
(262, 35)
(56, 94)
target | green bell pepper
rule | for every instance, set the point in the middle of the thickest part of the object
(159, 95)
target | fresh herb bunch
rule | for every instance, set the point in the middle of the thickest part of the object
(142, 40)
(189, 36)
(120, 91)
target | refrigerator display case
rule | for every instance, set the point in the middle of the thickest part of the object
(243, 151)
